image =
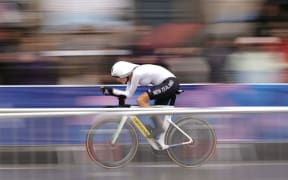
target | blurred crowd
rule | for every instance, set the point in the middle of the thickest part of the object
(248, 47)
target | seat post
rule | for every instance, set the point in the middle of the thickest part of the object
(121, 101)
(172, 100)
(173, 97)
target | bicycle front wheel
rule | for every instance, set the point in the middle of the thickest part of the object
(103, 152)
(197, 152)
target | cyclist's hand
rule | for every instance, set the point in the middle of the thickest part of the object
(107, 90)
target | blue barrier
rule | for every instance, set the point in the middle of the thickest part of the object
(73, 130)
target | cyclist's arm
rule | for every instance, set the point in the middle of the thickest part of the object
(130, 89)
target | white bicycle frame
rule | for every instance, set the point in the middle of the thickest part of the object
(156, 144)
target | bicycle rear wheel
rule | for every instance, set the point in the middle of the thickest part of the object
(196, 153)
(102, 151)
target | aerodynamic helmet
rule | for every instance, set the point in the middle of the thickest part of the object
(122, 69)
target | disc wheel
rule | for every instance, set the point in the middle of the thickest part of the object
(197, 152)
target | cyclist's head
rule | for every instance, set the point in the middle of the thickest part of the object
(122, 69)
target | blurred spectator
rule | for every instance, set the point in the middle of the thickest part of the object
(9, 41)
(23, 65)
(216, 53)
(273, 14)
(147, 55)
(255, 62)
(34, 73)
(282, 32)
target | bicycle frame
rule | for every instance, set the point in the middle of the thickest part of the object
(156, 144)
(203, 144)
(166, 124)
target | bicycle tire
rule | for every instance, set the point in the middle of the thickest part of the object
(196, 153)
(102, 152)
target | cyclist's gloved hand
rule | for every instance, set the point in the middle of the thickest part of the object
(107, 90)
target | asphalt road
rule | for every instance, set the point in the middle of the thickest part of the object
(277, 170)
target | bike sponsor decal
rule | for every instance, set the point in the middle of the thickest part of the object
(140, 126)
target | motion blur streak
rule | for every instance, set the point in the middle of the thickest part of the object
(208, 44)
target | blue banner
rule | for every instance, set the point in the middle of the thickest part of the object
(38, 131)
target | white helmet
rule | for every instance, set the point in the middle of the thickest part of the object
(122, 69)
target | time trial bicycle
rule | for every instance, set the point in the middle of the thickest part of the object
(112, 141)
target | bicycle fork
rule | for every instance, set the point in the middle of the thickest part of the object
(118, 130)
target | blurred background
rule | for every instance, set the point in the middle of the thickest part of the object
(76, 42)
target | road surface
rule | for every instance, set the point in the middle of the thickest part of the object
(275, 170)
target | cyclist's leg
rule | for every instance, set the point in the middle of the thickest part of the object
(156, 118)
(143, 101)
(163, 101)
(162, 94)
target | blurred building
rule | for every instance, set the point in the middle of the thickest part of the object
(176, 28)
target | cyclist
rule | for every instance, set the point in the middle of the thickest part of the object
(164, 86)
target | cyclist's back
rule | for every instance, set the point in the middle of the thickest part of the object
(149, 74)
